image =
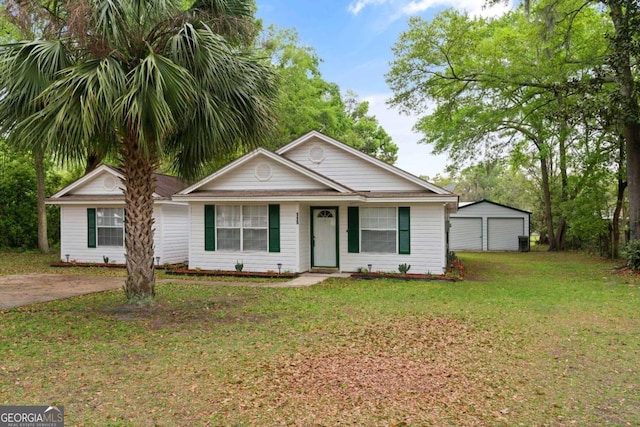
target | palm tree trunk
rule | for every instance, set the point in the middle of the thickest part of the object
(43, 241)
(93, 161)
(139, 187)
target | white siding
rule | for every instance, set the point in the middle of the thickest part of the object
(174, 235)
(170, 236)
(351, 171)
(487, 211)
(427, 243)
(97, 186)
(245, 177)
(465, 234)
(74, 240)
(254, 260)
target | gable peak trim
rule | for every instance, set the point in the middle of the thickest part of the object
(377, 162)
(276, 158)
(88, 177)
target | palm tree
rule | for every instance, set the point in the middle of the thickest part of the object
(147, 81)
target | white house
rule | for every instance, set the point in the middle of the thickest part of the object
(92, 218)
(488, 226)
(316, 204)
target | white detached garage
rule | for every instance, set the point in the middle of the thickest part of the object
(488, 226)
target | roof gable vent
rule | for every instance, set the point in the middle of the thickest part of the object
(316, 154)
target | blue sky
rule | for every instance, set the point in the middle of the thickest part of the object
(354, 39)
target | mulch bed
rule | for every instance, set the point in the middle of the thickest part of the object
(397, 276)
(179, 270)
(108, 265)
(266, 274)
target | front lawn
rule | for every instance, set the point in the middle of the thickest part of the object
(527, 339)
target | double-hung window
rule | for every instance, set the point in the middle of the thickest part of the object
(378, 228)
(110, 226)
(242, 228)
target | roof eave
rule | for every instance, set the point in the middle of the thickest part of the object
(291, 198)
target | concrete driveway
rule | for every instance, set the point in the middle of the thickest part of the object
(25, 289)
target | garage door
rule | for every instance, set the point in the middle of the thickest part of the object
(465, 234)
(504, 232)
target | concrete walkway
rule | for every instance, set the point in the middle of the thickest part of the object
(25, 289)
(306, 279)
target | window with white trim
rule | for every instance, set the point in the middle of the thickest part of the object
(242, 228)
(378, 228)
(110, 226)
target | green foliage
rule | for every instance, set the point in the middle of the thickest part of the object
(492, 98)
(631, 254)
(404, 268)
(18, 213)
(239, 266)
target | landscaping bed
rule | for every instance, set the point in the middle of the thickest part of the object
(180, 270)
(62, 264)
(227, 273)
(407, 276)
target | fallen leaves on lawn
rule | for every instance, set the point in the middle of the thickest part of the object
(411, 371)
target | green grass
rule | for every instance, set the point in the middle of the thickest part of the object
(527, 339)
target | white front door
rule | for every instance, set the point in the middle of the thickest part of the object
(324, 237)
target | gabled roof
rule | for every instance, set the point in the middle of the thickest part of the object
(321, 179)
(463, 205)
(166, 185)
(377, 162)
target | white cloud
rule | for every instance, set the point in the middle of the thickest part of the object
(356, 6)
(403, 8)
(472, 7)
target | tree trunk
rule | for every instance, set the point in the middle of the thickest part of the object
(561, 234)
(139, 187)
(615, 238)
(564, 181)
(43, 241)
(632, 138)
(93, 160)
(622, 185)
(621, 59)
(548, 214)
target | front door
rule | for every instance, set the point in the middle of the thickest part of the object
(324, 237)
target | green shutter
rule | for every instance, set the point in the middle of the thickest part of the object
(274, 228)
(91, 227)
(353, 228)
(209, 227)
(404, 230)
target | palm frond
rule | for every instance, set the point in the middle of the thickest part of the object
(160, 94)
(26, 70)
(232, 19)
(236, 95)
(78, 110)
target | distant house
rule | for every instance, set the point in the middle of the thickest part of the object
(488, 226)
(92, 218)
(316, 204)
